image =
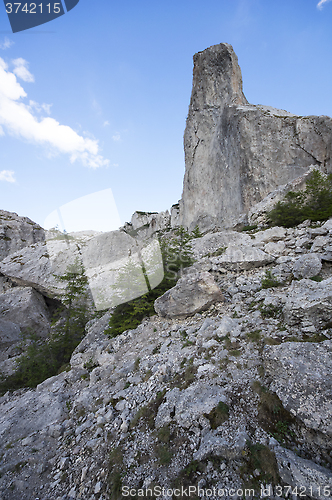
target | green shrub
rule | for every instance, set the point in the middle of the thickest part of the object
(115, 473)
(316, 278)
(270, 311)
(314, 203)
(249, 228)
(270, 281)
(218, 415)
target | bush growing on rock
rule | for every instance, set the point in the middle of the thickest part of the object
(314, 203)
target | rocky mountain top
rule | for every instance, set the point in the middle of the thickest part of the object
(236, 153)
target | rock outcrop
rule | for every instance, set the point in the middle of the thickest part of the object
(235, 152)
(17, 232)
(193, 293)
(25, 308)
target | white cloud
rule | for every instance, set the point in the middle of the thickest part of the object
(21, 70)
(116, 137)
(106, 123)
(19, 119)
(7, 176)
(6, 44)
(320, 5)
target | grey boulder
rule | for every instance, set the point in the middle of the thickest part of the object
(301, 374)
(308, 300)
(192, 293)
(311, 479)
(241, 258)
(9, 332)
(307, 266)
(17, 232)
(26, 308)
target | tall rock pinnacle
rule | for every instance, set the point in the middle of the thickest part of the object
(236, 153)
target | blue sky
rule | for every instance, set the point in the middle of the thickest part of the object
(97, 99)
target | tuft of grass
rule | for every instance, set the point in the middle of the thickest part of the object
(273, 417)
(149, 412)
(115, 471)
(218, 415)
(270, 311)
(316, 278)
(164, 434)
(186, 378)
(235, 352)
(164, 454)
(260, 466)
(255, 336)
(270, 281)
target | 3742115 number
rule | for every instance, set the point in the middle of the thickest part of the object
(33, 8)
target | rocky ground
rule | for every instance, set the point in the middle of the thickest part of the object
(227, 391)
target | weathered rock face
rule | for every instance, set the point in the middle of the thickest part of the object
(25, 308)
(17, 232)
(35, 266)
(304, 391)
(236, 153)
(309, 300)
(296, 471)
(192, 293)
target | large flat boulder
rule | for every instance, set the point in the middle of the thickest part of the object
(212, 242)
(193, 293)
(241, 258)
(301, 376)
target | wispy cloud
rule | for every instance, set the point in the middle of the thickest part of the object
(106, 123)
(321, 4)
(7, 176)
(96, 107)
(41, 107)
(21, 70)
(18, 118)
(6, 44)
(116, 137)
